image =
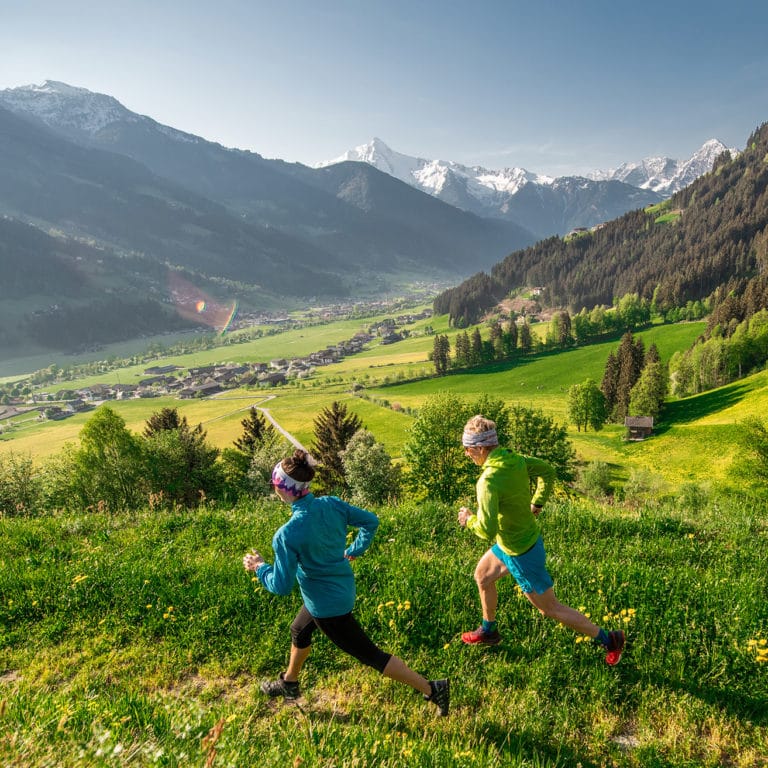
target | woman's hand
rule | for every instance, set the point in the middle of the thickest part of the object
(252, 561)
(464, 515)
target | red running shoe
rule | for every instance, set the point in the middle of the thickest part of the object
(480, 637)
(615, 647)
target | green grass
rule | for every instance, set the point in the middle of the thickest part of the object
(674, 454)
(126, 639)
(667, 218)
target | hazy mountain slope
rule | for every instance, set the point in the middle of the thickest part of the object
(112, 199)
(291, 198)
(401, 213)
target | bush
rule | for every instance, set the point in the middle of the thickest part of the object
(595, 479)
(693, 497)
(371, 476)
(533, 433)
(273, 448)
(642, 487)
(20, 487)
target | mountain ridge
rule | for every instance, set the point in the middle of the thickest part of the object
(548, 205)
(707, 240)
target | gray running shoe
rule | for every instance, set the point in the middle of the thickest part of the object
(441, 695)
(280, 687)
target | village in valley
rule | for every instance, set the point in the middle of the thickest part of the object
(201, 381)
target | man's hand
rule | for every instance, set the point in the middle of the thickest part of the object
(535, 508)
(252, 561)
(464, 515)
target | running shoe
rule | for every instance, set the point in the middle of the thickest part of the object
(480, 637)
(280, 687)
(615, 647)
(441, 695)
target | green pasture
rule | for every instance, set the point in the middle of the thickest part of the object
(667, 218)
(139, 640)
(695, 442)
(220, 417)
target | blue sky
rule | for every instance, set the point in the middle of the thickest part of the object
(555, 87)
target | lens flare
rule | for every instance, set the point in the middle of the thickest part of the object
(194, 304)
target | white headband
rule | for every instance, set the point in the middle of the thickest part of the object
(282, 480)
(479, 439)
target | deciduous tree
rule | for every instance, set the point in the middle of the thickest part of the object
(370, 473)
(587, 406)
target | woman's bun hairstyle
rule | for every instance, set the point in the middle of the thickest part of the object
(299, 466)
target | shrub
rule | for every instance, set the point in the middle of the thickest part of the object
(595, 478)
(693, 497)
(371, 476)
(20, 487)
(273, 448)
(642, 487)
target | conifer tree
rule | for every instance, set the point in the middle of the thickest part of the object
(526, 336)
(610, 383)
(164, 419)
(476, 349)
(509, 340)
(441, 351)
(630, 358)
(255, 427)
(496, 341)
(463, 350)
(181, 464)
(334, 428)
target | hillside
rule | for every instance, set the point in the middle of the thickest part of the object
(702, 240)
(137, 638)
(81, 167)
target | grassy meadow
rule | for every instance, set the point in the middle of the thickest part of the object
(139, 640)
(398, 374)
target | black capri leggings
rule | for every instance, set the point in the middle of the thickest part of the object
(342, 631)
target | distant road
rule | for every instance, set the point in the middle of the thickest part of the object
(291, 439)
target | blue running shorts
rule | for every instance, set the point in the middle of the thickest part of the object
(529, 569)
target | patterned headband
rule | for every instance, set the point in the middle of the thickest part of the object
(282, 480)
(479, 439)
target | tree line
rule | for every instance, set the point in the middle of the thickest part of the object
(171, 465)
(511, 336)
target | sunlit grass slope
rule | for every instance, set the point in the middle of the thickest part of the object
(139, 640)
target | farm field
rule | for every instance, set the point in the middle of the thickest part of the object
(676, 454)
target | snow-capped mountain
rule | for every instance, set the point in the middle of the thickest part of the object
(544, 204)
(76, 110)
(664, 174)
(435, 176)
